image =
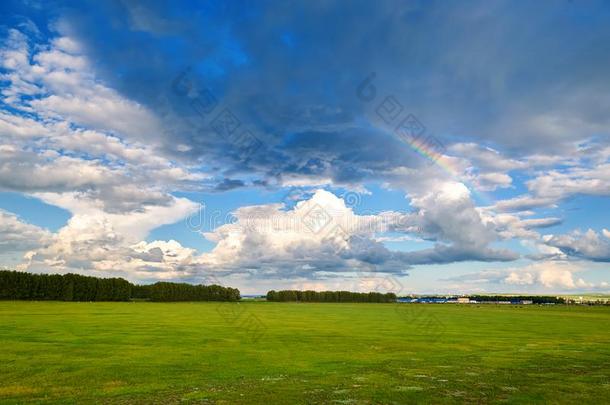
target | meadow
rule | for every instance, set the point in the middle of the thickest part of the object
(298, 353)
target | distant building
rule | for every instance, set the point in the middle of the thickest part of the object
(463, 300)
(526, 302)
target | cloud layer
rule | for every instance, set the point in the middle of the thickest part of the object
(487, 126)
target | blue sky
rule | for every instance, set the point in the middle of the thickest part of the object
(404, 146)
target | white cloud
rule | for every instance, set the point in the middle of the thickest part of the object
(65, 88)
(132, 225)
(446, 213)
(492, 181)
(30, 171)
(97, 242)
(552, 186)
(485, 159)
(69, 133)
(266, 240)
(19, 236)
(322, 233)
(511, 226)
(589, 245)
(272, 240)
(561, 184)
(524, 202)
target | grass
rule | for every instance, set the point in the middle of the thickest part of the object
(288, 353)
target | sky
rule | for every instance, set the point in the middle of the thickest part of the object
(403, 146)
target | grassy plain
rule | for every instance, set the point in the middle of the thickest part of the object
(290, 353)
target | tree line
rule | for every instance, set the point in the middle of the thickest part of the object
(328, 296)
(166, 292)
(17, 285)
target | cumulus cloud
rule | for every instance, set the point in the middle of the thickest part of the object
(325, 235)
(447, 214)
(589, 245)
(319, 235)
(444, 212)
(561, 184)
(316, 239)
(19, 236)
(319, 238)
(516, 225)
(104, 243)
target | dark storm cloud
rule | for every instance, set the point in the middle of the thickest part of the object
(524, 76)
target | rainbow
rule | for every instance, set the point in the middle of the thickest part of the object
(426, 146)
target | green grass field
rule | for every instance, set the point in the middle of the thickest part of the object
(260, 352)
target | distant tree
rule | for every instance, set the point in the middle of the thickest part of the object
(18, 285)
(141, 291)
(165, 292)
(328, 296)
